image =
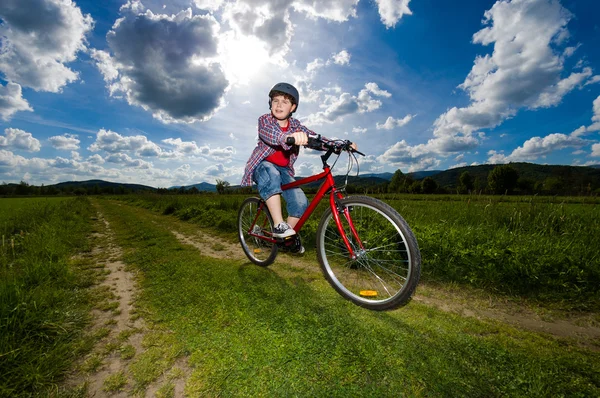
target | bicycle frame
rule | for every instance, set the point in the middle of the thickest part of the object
(336, 208)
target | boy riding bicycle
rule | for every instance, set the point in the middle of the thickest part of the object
(271, 164)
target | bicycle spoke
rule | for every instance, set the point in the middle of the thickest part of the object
(379, 273)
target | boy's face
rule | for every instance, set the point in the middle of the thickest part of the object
(281, 107)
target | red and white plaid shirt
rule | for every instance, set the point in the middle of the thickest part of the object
(270, 137)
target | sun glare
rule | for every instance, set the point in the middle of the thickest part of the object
(242, 57)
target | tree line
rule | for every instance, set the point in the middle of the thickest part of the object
(501, 180)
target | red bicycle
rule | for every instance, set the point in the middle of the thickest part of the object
(366, 250)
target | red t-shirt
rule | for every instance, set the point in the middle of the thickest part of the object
(280, 157)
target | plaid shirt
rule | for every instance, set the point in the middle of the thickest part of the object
(270, 138)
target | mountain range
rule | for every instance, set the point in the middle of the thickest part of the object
(575, 175)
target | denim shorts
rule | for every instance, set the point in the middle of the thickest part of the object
(269, 178)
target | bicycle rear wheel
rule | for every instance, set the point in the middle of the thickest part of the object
(386, 268)
(254, 227)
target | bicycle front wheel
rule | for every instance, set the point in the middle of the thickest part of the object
(255, 226)
(384, 270)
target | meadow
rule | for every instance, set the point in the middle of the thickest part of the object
(540, 248)
(44, 304)
(282, 330)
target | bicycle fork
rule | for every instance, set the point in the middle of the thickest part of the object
(337, 209)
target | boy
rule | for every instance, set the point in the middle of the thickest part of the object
(272, 161)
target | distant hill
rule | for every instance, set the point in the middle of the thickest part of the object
(575, 175)
(385, 176)
(203, 187)
(419, 175)
(101, 184)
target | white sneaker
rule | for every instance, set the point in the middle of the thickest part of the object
(283, 230)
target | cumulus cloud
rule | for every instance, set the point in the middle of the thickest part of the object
(314, 65)
(409, 158)
(595, 126)
(346, 104)
(190, 148)
(538, 147)
(19, 139)
(39, 38)
(524, 70)
(12, 101)
(164, 63)
(127, 161)
(391, 123)
(391, 11)
(95, 159)
(339, 11)
(65, 141)
(210, 5)
(112, 142)
(268, 21)
(596, 150)
(341, 58)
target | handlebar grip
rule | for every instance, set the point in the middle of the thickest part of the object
(290, 141)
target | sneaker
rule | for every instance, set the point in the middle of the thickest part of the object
(283, 230)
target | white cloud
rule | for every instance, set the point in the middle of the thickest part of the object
(211, 5)
(105, 64)
(65, 141)
(391, 123)
(314, 65)
(341, 58)
(112, 142)
(538, 147)
(96, 159)
(595, 126)
(409, 158)
(39, 38)
(524, 69)
(19, 139)
(165, 63)
(12, 101)
(391, 11)
(346, 104)
(596, 150)
(339, 10)
(190, 148)
(127, 161)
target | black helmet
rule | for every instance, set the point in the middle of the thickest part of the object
(285, 88)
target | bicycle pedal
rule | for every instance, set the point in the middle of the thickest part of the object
(285, 241)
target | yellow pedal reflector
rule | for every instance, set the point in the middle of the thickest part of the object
(256, 251)
(368, 293)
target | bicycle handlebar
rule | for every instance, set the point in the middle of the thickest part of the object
(322, 145)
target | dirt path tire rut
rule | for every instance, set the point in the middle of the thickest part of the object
(105, 371)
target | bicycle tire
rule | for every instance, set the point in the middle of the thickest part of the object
(387, 268)
(260, 252)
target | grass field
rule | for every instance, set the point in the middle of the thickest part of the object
(541, 248)
(43, 300)
(283, 331)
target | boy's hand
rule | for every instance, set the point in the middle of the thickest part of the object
(300, 138)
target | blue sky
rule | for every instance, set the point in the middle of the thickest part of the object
(167, 93)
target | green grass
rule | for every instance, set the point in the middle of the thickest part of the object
(541, 248)
(252, 331)
(43, 298)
